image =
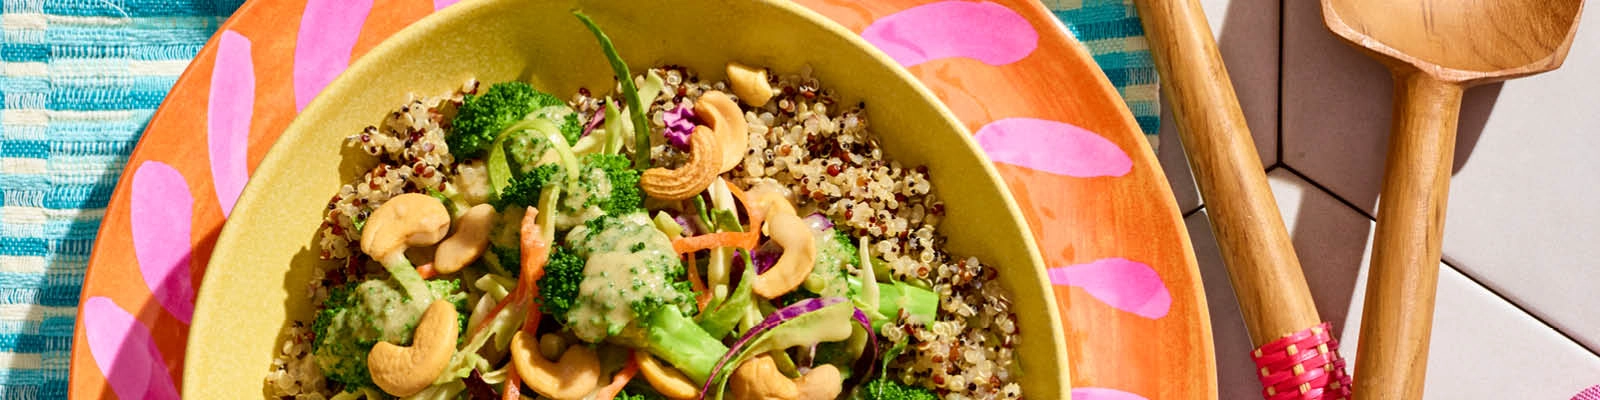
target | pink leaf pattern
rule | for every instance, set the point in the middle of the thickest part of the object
(1093, 393)
(328, 32)
(160, 213)
(1121, 283)
(1055, 147)
(983, 31)
(124, 351)
(232, 101)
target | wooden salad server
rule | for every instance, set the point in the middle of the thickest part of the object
(1273, 296)
(1434, 49)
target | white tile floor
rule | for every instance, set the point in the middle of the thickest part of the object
(1518, 297)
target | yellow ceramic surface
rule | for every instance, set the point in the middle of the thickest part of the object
(264, 256)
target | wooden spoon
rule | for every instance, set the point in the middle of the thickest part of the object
(1434, 49)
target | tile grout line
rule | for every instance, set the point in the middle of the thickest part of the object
(1518, 306)
(1324, 189)
(1278, 147)
(1445, 262)
(1187, 214)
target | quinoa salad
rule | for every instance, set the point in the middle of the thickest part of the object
(677, 238)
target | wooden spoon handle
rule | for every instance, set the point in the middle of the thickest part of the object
(1266, 276)
(1397, 320)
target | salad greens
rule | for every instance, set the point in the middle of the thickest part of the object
(621, 274)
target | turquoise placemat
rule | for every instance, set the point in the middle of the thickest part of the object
(1111, 31)
(79, 79)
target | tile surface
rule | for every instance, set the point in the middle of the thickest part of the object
(1247, 35)
(1483, 347)
(1523, 217)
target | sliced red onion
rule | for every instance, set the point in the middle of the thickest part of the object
(766, 256)
(689, 227)
(819, 222)
(868, 358)
(680, 124)
(595, 120)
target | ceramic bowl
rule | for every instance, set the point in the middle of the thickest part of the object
(265, 254)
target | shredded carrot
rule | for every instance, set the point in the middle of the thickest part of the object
(744, 200)
(513, 389)
(744, 240)
(427, 271)
(701, 295)
(756, 216)
(619, 380)
(535, 253)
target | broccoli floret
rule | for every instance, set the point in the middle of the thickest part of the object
(558, 288)
(835, 251)
(524, 190)
(505, 242)
(624, 195)
(635, 392)
(571, 129)
(357, 316)
(885, 388)
(632, 293)
(481, 118)
(526, 150)
(606, 185)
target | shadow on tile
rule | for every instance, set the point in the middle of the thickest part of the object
(1337, 108)
(1247, 37)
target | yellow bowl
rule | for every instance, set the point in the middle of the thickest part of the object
(264, 256)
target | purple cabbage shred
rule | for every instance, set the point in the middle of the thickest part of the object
(680, 124)
(595, 120)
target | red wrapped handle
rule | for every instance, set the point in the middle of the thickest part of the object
(1304, 365)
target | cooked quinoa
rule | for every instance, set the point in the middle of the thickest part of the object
(821, 151)
(827, 156)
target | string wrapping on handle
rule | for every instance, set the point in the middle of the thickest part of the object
(1304, 365)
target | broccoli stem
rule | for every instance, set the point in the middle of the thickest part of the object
(679, 341)
(403, 272)
(922, 305)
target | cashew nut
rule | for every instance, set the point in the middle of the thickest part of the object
(668, 381)
(469, 241)
(404, 371)
(750, 84)
(705, 155)
(407, 220)
(799, 256)
(723, 116)
(571, 378)
(769, 197)
(759, 378)
(822, 383)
